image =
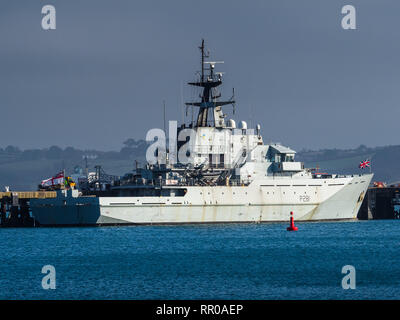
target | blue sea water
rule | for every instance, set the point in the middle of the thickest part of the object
(253, 261)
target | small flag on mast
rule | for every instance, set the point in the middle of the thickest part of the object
(364, 164)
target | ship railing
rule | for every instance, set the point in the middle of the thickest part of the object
(208, 123)
(216, 149)
(336, 176)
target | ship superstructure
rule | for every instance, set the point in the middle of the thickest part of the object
(218, 172)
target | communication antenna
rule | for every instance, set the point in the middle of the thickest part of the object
(182, 104)
(203, 55)
(86, 167)
(233, 100)
(251, 116)
(164, 118)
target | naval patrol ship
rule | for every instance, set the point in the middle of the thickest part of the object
(213, 171)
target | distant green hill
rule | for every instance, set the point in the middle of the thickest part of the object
(23, 170)
(385, 162)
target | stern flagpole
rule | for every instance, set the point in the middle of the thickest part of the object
(370, 166)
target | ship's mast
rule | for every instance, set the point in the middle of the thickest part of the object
(202, 59)
(208, 100)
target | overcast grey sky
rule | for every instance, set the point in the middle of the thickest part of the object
(102, 75)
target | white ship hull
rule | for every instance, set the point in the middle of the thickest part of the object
(269, 200)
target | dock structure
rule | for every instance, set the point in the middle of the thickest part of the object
(15, 207)
(381, 203)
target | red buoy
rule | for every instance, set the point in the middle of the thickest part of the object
(292, 227)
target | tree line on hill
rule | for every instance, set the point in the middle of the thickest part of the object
(25, 168)
(132, 148)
